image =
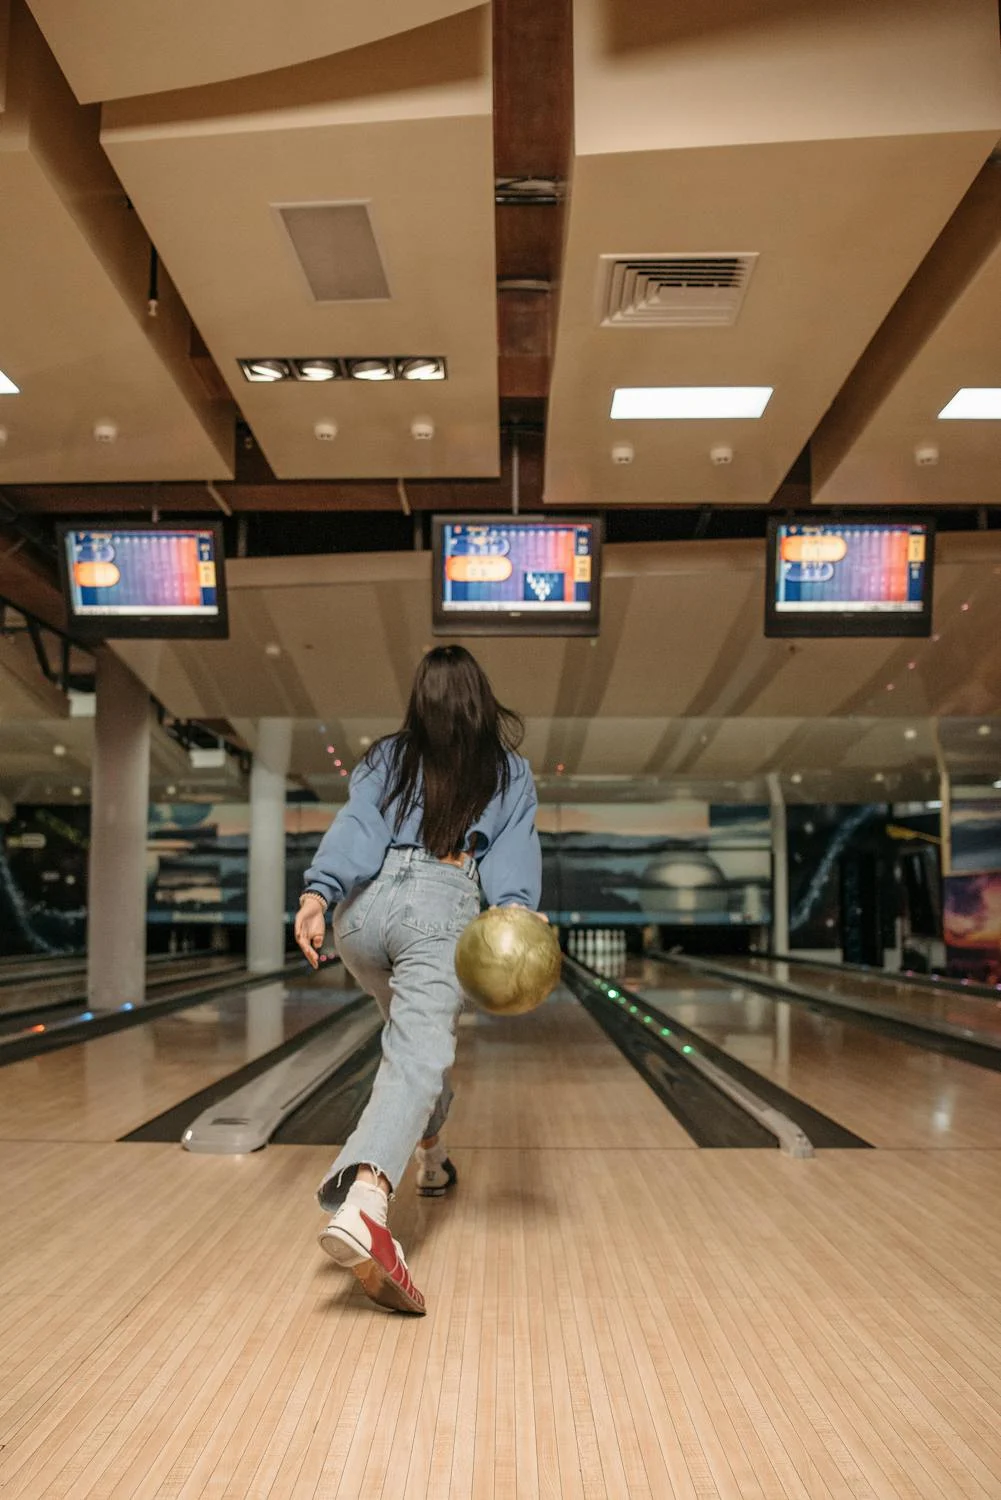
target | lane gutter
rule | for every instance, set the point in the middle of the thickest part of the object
(688, 1051)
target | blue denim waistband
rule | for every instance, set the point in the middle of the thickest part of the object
(398, 859)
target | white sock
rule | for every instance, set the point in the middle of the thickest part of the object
(371, 1199)
(432, 1156)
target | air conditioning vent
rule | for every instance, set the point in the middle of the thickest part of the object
(336, 249)
(674, 291)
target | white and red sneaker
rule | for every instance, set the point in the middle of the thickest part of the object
(365, 1247)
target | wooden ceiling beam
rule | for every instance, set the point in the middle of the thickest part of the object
(27, 582)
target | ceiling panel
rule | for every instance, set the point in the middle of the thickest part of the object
(25, 693)
(945, 333)
(702, 131)
(681, 683)
(403, 126)
(49, 760)
(74, 332)
(110, 51)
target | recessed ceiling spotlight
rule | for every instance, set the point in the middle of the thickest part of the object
(684, 403)
(58, 749)
(879, 776)
(171, 791)
(984, 729)
(796, 778)
(973, 403)
(371, 369)
(316, 370)
(272, 649)
(425, 367)
(265, 371)
(7, 386)
(325, 432)
(76, 791)
(910, 734)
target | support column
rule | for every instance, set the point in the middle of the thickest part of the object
(780, 867)
(116, 881)
(266, 872)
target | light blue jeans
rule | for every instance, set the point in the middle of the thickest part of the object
(397, 936)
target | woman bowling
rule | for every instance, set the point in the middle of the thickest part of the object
(435, 812)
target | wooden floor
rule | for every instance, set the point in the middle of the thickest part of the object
(612, 1312)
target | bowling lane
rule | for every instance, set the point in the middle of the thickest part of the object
(552, 1080)
(101, 1089)
(53, 989)
(890, 1093)
(913, 1001)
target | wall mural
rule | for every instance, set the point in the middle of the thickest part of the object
(972, 917)
(817, 838)
(196, 869)
(197, 859)
(670, 863)
(667, 863)
(43, 880)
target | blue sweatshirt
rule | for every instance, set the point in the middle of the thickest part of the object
(503, 840)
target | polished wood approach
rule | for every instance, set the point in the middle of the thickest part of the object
(551, 1079)
(609, 1315)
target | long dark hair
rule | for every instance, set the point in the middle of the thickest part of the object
(451, 754)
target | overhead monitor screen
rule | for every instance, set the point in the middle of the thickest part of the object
(511, 575)
(144, 580)
(855, 577)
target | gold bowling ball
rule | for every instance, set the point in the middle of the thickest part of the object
(508, 961)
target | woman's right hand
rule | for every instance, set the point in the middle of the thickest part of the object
(310, 927)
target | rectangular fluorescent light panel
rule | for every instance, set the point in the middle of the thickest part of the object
(7, 386)
(974, 403)
(685, 403)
